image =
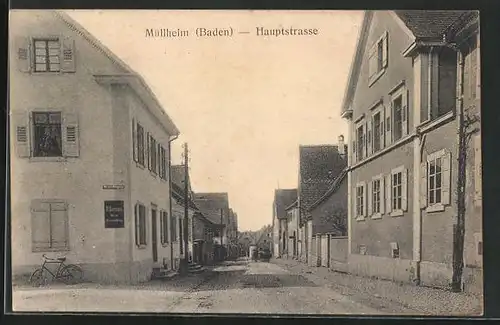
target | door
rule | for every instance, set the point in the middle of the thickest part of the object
(154, 239)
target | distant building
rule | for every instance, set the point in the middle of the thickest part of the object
(89, 153)
(282, 199)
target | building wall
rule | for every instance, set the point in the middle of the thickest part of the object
(292, 229)
(334, 205)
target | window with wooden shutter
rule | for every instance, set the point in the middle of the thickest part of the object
(22, 46)
(388, 124)
(478, 174)
(173, 230)
(47, 55)
(140, 144)
(446, 178)
(68, 55)
(20, 124)
(369, 191)
(388, 193)
(71, 141)
(148, 149)
(382, 194)
(364, 199)
(134, 140)
(404, 189)
(404, 113)
(369, 140)
(140, 225)
(49, 225)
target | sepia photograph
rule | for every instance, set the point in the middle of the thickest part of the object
(287, 162)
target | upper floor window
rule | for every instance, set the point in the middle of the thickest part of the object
(399, 112)
(377, 60)
(47, 138)
(360, 142)
(47, 52)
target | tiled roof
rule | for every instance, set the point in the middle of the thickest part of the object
(319, 167)
(335, 185)
(429, 23)
(284, 198)
(211, 204)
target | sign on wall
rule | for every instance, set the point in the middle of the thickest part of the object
(114, 216)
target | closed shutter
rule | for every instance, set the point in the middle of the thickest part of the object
(71, 141)
(385, 50)
(478, 173)
(40, 225)
(446, 171)
(404, 113)
(404, 190)
(423, 185)
(382, 194)
(134, 140)
(58, 225)
(162, 233)
(388, 124)
(68, 55)
(370, 199)
(22, 48)
(355, 202)
(20, 123)
(388, 193)
(364, 199)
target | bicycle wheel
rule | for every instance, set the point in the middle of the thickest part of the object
(38, 278)
(71, 274)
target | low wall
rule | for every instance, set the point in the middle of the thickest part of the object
(394, 269)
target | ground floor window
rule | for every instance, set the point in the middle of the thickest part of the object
(49, 220)
(359, 200)
(140, 225)
(164, 226)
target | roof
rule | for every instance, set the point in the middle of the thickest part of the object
(429, 23)
(129, 76)
(319, 167)
(422, 24)
(293, 205)
(282, 199)
(211, 204)
(333, 188)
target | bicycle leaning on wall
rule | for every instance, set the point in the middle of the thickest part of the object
(66, 273)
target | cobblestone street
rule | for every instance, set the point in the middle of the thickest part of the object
(282, 286)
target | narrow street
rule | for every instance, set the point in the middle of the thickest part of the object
(234, 287)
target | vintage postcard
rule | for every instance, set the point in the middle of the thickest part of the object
(278, 162)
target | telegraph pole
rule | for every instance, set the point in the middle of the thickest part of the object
(186, 209)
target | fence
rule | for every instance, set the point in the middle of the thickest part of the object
(329, 251)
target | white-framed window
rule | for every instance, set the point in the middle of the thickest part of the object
(360, 200)
(399, 113)
(140, 225)
(377, 58)
(49, 226)
(46, 134)
(164, 227)
(435, 191)
(45, 54)
(152, 154)
(376, 197)
(360, 141)
(397, 191)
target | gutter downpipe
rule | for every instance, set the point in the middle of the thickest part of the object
(170, 197)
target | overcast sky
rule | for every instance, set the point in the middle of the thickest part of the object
(245, 103)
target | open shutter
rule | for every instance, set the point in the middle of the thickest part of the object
(20, 122)
(388, 193)
(370, 201)
(148, 150)
(353, 151)
(478, 173)
(137, 228)
(364, 199)
(382, 129)
(365, 139)
(134, 140)
(404, 113)
(71, 146)
(382, 195)
(372, 62)
(388, 124)
(68, 55)
(40, 225)
(369, 132)
(404, 190)
(446, 170)
(58, 225)
(423, 185)
(159, 165)
(22, 56)
(385, 50)
(354, 202)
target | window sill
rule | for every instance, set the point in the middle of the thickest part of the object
(429, 124)
(397, 213)
(164, 245)
(435, 208)
(40, 250)
(141, 246)
(376, 77)
(139, 165)
(360, 218)
(48, 159)
(376, 216)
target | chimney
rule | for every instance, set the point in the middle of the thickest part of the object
(341, 145)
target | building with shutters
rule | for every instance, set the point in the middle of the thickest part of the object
(411, 72)
(89, 150)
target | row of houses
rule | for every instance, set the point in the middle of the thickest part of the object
(410, 193)
(90, 156)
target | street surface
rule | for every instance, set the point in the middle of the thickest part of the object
(234, 287)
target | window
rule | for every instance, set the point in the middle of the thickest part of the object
(164, 227)
(398, 122)
(376, 201)
(47, 127)
(399, 104)
(397, 191)
(435, 173)
(152, 154)
(394, 250)
(173, 229)
(162, 163)
(377, 60)
(49, 225)
(140, 144)
(360, 140)
(360, 200)
(140, 225)
(47, 52)
(378, 132)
